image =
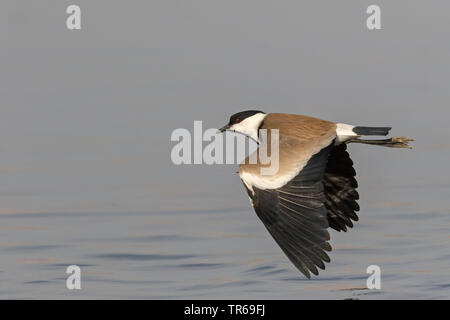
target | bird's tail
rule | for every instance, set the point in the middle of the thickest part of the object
(352, 134)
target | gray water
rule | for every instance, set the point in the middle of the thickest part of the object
(85, 125)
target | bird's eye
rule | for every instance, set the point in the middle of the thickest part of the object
(238, 120)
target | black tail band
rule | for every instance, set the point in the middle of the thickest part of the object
(371, 131)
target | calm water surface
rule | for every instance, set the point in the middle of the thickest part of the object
(217, 254)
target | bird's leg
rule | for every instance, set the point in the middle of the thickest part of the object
(395, 142)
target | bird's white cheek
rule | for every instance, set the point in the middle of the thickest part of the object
(237, 128)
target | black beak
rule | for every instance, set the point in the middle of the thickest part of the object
(224, 128)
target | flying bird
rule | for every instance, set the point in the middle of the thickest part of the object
(314, 187)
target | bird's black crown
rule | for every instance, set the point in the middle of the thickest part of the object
(238, 117)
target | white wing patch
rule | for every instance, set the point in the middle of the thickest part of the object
(268, 182)
(276, 181)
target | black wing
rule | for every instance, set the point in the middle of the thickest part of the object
(296, 216)
(340, 189)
